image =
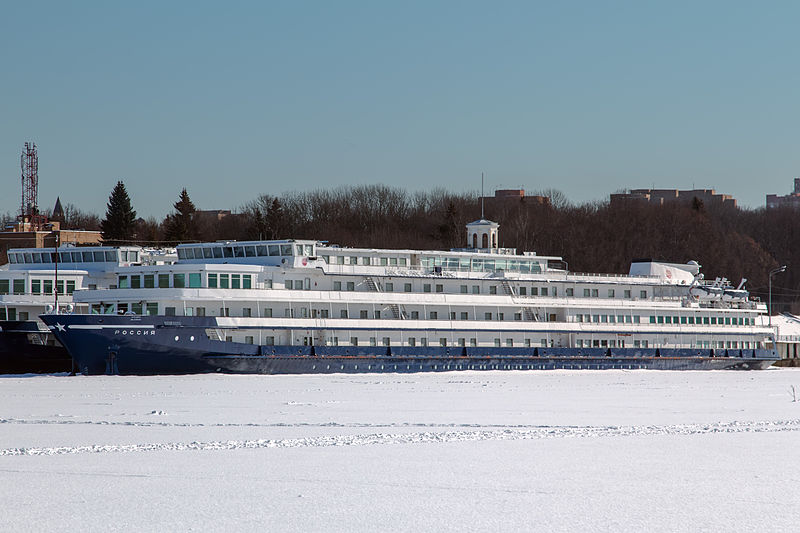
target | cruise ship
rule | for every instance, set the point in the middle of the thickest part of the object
(302, 306)
(43, 280)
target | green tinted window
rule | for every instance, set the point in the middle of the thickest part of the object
(152, 309)
(19, 286)
(163, 281)
(36, 286)
(123, 282)
(194, 280)
(212, 281)
(246, 283)
(70, 286)
(149, 281)
(223, 281)
(4, 286)
(136, 282)
(236, 281)
(179, 280)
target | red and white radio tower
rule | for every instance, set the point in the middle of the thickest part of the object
(29, 212)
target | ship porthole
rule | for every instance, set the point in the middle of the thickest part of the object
(191, 338)
(176, 338)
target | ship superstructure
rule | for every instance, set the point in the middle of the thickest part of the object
(301, 296)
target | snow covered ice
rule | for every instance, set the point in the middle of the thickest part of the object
(455, 451)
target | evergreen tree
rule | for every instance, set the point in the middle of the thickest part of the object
(179, 225)
(120, 216)
(274, 220)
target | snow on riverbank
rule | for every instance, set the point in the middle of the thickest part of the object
(550, 450)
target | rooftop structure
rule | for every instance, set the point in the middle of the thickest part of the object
(790, 200)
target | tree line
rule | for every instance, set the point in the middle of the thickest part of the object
(591, 237)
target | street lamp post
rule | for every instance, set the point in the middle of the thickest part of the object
(771, 274)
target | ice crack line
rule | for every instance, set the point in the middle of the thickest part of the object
(424, 438)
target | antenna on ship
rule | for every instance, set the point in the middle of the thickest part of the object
(481, 195)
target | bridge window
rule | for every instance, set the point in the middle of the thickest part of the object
(194, 280)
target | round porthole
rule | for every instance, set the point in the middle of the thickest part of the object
(176, 338)
(191, 338)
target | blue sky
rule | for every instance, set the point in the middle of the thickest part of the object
(233, 100)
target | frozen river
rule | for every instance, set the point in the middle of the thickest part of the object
(488, 451)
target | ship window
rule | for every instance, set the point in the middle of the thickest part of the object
(98, 257)
(691, 320)
(386, 341)
(412, 341)
(12, 258)
(501, 316)
(36, 286)
(642, 294)
(627, 293)
(366, 260)
(269, 341)
(476, 289)
(595, 318)
(636, 319)
(236, 281)
(70, 287)
(337, 285)
(266, 312)
(169, 311)
(570, 292)
(452, 315)
(414, 315)
(393, 261)
(595, 293)
(179, 280)
(37, 258)
(182, 253)
(111, 255)
(47, 287)
(610, 293)
(247, 311)
(660, 319)
(246, 281)
(434, 315)
(487, 316)
(351, 286)
(149, 281)
(423, 341)
(123, 282)
(151, 309)
(299, 249)
(407, 287)
(224, 281)
(439, 288)
(705, 320)
(426, 287)
(383, 261)
(652, 319)
(727, 321)
(523, 291)
(464, 316)
(343, 313)
(274, 249)
(364, 314)
(212, 281)
(163, 281)
(493, 289)
(544, 291)
(27, 257)
(586, 293)
(668, 320)
(250, 251)
(389, 287)
(194, 280)
(286, 249)
(517, 316)
(442, 341)
(86, 257)
(308, 249)
(353, 341)
(227, 251)
(261, 250)
(19, 286)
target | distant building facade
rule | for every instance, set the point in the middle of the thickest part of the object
(23, 235)
(709, 197)
(518, 194)
(790, 200)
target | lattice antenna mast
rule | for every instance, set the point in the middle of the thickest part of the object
(30, 182)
